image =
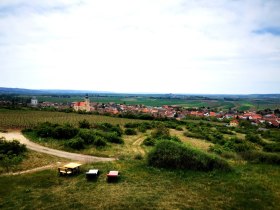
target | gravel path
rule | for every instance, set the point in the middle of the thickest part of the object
(36, 147)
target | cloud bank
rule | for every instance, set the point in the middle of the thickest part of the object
(191, 46)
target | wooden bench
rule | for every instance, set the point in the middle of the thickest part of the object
(92, 173)
(64, 171)
(112, 176)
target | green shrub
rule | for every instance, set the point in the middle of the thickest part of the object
(87, 135)
(131, 125)
(149, 141)
(113, 137)
(138, 156)
(254, 138)
(11, 147)
(130, 131)
(99, 141)
(261, 157)
(76, 143)
(64, 132)
(170, 154)
(161, 132)
(274, 147)
(179, 128)
(84, 124)
(11, 153)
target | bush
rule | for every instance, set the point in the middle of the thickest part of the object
(274, 147)
(130, 131)
(113, 137)
(87, 135)
(131, 125)
(149, 141)
(170, 154)
(64, 132)
(255, 139)
(11, 147)
(11, 153)
(138, 156)
(99, 141)
(76, 143)
(84, 124)
(161, 132)
(261, 157)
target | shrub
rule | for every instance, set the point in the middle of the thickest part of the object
(11, 153)
(261, 157)
(130, 131)
(161, 132)
(11, 147)
(274, 147)
(170, 154)
(149, 141)
(254, 138)
(99, 141)
(179, 128)
(64, 132)
(113, 137)
(84, 124)
(76, 143)
(138, 156)
(131, 125)
(87, 135)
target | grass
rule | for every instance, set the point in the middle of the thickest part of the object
(142, 187)
(34, 160)
(26, 118)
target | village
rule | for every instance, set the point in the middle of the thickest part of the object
(165, 111)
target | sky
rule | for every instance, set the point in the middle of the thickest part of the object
(141, 46)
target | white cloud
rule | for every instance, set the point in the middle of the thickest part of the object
(144, 46)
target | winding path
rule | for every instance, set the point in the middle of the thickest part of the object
(36, 147)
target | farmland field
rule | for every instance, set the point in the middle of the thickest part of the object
(26, 119)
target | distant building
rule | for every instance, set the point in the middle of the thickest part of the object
(82, 106)
(34, 101)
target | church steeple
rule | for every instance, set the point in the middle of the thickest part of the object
(87, 102)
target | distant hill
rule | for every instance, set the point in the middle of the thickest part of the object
(22, 91)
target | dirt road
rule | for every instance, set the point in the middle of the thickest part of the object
(36, 147)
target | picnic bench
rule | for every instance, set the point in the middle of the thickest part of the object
(112, 176)
(70, 168)
(92, 173)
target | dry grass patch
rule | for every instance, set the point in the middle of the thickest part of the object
(198, 143)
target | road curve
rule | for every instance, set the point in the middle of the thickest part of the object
(36, 147)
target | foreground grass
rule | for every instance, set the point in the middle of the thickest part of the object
(142, 187)
(33, 160)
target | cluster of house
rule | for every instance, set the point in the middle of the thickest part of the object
(174, 112)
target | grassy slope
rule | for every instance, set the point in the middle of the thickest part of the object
(142, 187)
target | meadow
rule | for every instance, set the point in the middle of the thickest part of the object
(249, 186)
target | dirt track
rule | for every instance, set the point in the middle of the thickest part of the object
(36, 147)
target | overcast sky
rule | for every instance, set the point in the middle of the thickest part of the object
(157, 46)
